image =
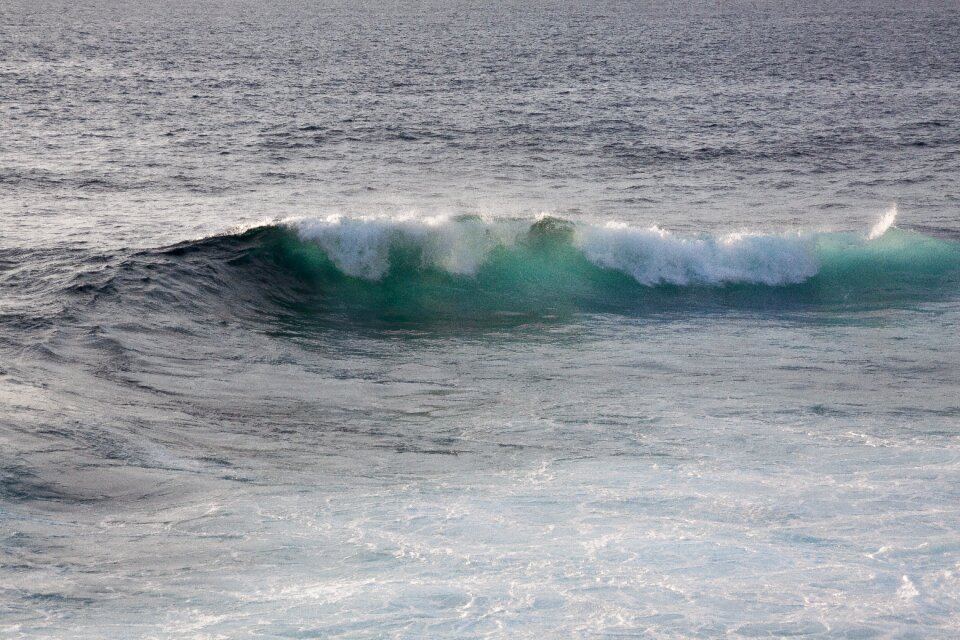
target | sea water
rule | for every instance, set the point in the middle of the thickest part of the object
(497, 319)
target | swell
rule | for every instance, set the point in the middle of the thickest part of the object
(457, 269)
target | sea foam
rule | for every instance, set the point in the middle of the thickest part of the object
(361, 247)
(655, 256)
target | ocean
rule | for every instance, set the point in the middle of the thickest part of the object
(505, 319)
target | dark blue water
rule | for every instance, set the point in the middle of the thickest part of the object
(461, 320)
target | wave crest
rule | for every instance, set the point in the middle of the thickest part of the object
(655, 256)
(362, 248)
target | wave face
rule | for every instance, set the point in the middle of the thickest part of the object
(470, 267)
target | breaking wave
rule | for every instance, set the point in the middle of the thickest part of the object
(469, 267)
(366, 248)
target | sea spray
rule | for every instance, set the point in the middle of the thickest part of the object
(362, 247)
(885, 222)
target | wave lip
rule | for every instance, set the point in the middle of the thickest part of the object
(362, 248)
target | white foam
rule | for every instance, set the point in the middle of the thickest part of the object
(656, 256)
(907, 590)
(360, 247)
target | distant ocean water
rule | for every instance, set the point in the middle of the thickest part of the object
(479, 320)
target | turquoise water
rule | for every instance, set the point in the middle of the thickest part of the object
(503, 320)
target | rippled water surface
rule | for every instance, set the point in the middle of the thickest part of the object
(479, 320)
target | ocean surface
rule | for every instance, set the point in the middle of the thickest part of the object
(492, 319)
